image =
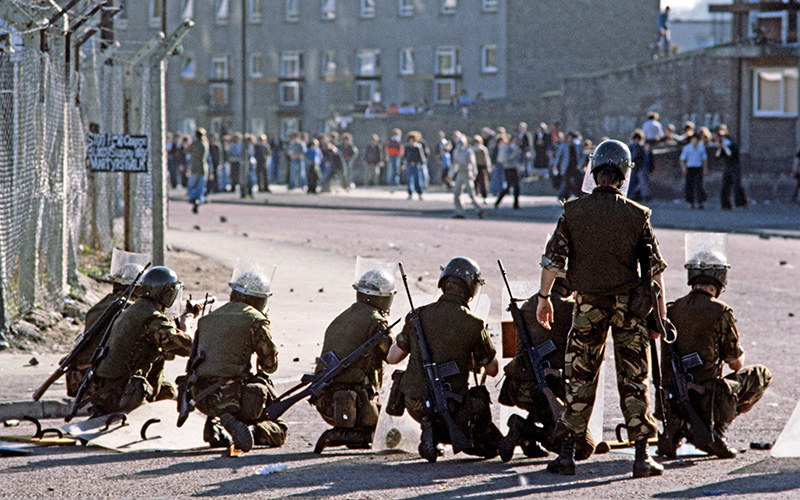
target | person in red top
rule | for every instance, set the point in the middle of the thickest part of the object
(394, 152)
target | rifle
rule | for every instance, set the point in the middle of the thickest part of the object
(438, 392)
(701, 432)
(533, 360)
(318, 383)
(101, 351)
(186, 403)
(83, 340)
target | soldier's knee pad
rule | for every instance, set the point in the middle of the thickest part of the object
(137, 390)
(254, 399)
(345, 408)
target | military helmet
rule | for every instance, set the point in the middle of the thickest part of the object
(707, 267)
(162, 285)
(466, 270)
(614, 154)
(252, 283)
(376, 282)
(126, 273)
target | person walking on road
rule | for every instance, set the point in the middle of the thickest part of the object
(462, 175)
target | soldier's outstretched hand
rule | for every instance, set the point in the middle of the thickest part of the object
(544, 312)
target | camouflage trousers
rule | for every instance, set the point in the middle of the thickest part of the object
(126, 394)
(723, 399)
(593, 317)
(473, 416)
(524, 394)
(246, 401)
(356, 407)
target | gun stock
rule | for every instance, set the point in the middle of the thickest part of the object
(47, 383)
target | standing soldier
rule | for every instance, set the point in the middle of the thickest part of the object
(125, 267)
(350, 404)
(537, 431)
(227, 339)
(452, 334)
(601, 234)
(140, 342)
(707, 329)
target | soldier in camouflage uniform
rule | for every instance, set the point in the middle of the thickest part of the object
(453, 333)
(125, 267)
(706, 327)
(140, 342)
(519, 388)
(600, 235)
(227, 339)
(350, 404)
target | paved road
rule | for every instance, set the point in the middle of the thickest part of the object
(315, 251)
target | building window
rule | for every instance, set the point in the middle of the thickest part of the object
(775, 92)
(258, 126)
(367, 91)
(407, 61)
(444, 90)
(328, 63)
(490, 5)
(368, 62)
(406, 7)
(289, 126)
(772, 26)
(188, 126)
(187, 9)
(216, 125)
(290, 93)
(489, 59)
(328, 10)
(219, 68)
(367, 9)
(188, 66)
(256, 65)
(255, 10)
(449, 6)
(219, 94)
(292, 11)
(221, 11)
(447, 62)
(291, 65)
(155, 13)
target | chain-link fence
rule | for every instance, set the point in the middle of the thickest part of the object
(50, 203)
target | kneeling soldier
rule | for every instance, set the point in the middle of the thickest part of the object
(141, 340)
(455, 336)
(228, 337)
(350, 404)
(537, 431)
(707, 334)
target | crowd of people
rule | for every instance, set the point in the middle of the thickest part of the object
(490, 163)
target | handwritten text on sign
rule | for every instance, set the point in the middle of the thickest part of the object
(116, 152)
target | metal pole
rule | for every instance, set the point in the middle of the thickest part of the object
(244, 66)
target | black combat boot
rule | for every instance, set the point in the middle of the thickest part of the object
(719, 446)
(564, 464)
(516, 428)
(643, 464)
(533, 439)
(215, 435)
(240, 433)
(427, 445)
(332, 437)
(359, 439)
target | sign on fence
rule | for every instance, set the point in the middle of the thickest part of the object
(116, 152)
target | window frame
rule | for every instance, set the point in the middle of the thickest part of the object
(187, 9)
(253, 16)
(327, 61)
(291, 56)
(783, 16)
(783, 112)
(436, 96)
(251, 65)
(367, 9)
(287, 126)
(327, 10)
(448, 10)
(374, 89)
(226, 68)
(189, 62)
(490, 6)
(376, 63)
(297, 89)
(292, 11)
(406, 54)
(454, 53)
(225, 88)
(485, 68)
(154, 13)
(221, 6)
(406, 8)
